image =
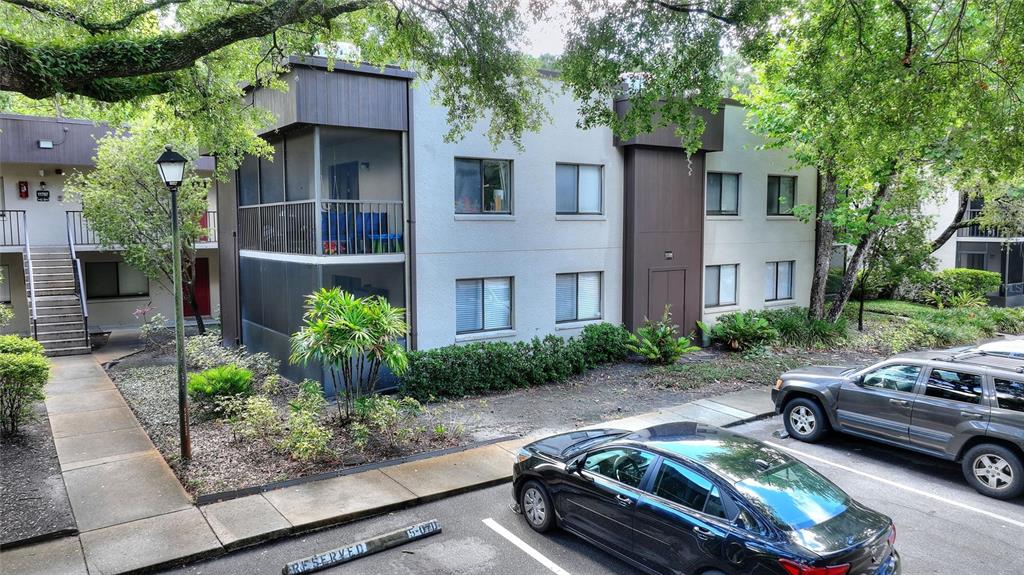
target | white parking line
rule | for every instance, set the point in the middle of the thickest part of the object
(526, 548)
(901, 486)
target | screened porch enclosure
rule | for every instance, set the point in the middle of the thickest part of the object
(326, 191)
(273, 296)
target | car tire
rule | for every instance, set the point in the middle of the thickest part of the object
(805, 419)
(535, 505)
(994, 471)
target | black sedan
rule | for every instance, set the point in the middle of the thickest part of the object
(685, 498)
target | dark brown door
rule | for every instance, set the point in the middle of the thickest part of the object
(667, 287)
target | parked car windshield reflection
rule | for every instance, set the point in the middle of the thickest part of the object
(794, 495)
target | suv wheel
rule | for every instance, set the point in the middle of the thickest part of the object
(805, 420)
(994, 470)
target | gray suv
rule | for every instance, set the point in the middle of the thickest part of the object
(965, 406)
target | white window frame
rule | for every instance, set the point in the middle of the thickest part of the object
(736, 286)
(483, 318)
(600, 297)
(600, 191)
(792, 278)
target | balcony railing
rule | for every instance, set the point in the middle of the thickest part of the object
(344, 227)
(81, 234)
(12, 228)
(977, 231)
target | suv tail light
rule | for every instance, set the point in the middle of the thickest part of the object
(892, 535)
(794, 568)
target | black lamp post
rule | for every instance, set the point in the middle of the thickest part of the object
(171, 165)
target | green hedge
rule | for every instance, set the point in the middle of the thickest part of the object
(17, 344)
(22, 377)
(962, 280)
(461, 370)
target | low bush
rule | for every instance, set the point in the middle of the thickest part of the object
(927, 327)
(948, 283)
(461, 370)
(385, 421)
(18, 344)
(206, 351)
(307, 438)
(967, 300)
(255, 418)
(659, 341)
(795, 328)
(218, 382)
(310, 398)
(743, 330)
(155, 332)
(605, 343)
(22, 377)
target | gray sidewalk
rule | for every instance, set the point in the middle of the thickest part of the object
(134, 515)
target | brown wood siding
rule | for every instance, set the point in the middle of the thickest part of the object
(663, 212)
(227, 248)
(280, 104)
(351, 99)
(20, 135)
(665, 137)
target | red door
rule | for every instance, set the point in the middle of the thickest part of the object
(202, 287)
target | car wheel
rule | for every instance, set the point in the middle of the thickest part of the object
(805, 420)
(536, 507)
(994, 470)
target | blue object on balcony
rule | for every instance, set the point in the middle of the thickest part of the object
(362, 232)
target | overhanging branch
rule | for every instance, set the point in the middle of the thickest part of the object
(88, 24)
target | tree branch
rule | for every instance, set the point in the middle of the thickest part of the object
(694, 8)
(87, 24)
(116, 68)
(908, 29)
(956, 224)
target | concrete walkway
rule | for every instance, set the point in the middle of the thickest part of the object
(134, 515)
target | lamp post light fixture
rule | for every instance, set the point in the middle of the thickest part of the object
(171, 165)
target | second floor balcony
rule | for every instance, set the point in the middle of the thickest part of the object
(327, 227)
(83, 236)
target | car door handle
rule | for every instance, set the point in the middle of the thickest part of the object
(623, 500)
(702, 532)
(971, 415)
(900, 402)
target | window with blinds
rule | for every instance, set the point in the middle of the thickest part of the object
(483, 305)
(778, 281)
(577, 189)
(723, 194)
(577, 296)
(720, 285)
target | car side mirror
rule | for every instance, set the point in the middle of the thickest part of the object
(577, 465)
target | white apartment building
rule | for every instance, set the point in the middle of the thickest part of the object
(42, 231)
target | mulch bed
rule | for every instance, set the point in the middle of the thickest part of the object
(33, 500)
(219, 462)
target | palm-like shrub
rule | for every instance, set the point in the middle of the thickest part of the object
(966, 299)
(743, 330)
(220, 382)
(659, 341)
(353, 338)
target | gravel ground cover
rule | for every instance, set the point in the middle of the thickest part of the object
(222, 463)
(33, 500)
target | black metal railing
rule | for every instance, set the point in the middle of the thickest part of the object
(81, 234)
(329, 227)
(12, 228)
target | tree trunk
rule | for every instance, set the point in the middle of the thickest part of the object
(824, 235)
(860, 254)
(191, 294)
(957, 223)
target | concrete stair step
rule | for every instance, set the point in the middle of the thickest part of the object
(52, 301)
(63, 336)
(63, 343)
(51, 269)
(53, 276)
(50, 283)
(55, 291)
(80, 350)
(49, 318)
(59, 326)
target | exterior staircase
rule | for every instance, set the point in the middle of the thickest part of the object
(59, 323)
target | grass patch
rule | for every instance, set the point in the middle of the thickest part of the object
(923, 326)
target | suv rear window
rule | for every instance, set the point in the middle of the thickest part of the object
(946, 384)
(1010, 394)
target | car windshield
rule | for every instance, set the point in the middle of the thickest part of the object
(794, 496)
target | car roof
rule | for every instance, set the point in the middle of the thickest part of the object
(732, 456)
(952, 358)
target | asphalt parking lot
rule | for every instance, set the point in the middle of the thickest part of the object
(943, 526)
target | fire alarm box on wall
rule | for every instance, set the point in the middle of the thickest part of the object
(23, 190)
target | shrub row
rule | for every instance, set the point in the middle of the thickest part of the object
(788, 326)
(23, 373)
(460, 370)
(928, 327)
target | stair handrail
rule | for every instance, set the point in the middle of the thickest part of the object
(31, 283)
(76, 269)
